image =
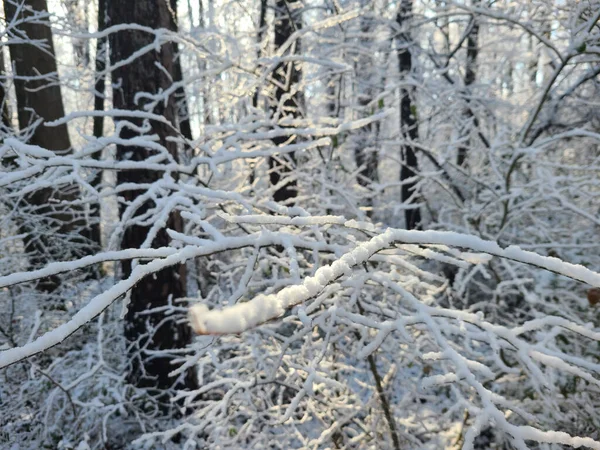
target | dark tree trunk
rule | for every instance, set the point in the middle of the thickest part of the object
(262, 23)
(408, 120)
(52, 221)
(101, 59)
(470, 76)
(4, 109)
(286, 102)
(39, 97)
(145, 75)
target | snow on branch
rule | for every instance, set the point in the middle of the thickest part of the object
(68, 266)
(90, 311)
(262, 308)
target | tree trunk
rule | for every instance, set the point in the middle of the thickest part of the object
(408, 120)
(470, 76)
(101, 59)
(37, 97)
(149, 73)
(532, 64)
(366, 153)
(183, 111)
(287, 100)
(52, 221)
(262, 23)
(99, 93)
(4, 109)
(78, 19)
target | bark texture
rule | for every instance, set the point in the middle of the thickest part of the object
(49, 220)
(149, 74)
(36, 81)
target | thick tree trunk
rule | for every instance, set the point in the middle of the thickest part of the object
(286, 102)
(39, 96)
(149, 73)
(408, 120)
(52, 221)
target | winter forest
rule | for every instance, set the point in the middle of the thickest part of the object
(299, 224)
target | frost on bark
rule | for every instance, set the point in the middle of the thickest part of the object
(151, 336)
(287, 100)
(408, 120)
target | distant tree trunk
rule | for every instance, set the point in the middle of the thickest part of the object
(508, 80)
(183, 111)
(470, 76)
(532, 64)
(444, 27)
(334, 80)
(262, 23)
(99, 94)
(78, 19)
(4, 109)
(287, 101)
(149, 73)
(366, 153)
(545, 56)
(101, 59)
(408, 118)
(39, 100)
